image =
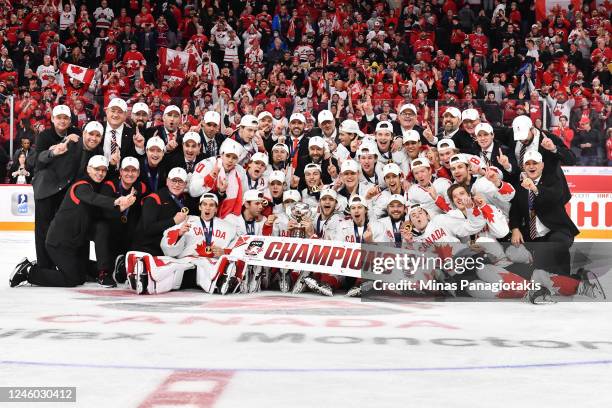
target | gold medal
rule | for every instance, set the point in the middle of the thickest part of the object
(124, 219)
(315, 189)
(208, 250)
(185, 210)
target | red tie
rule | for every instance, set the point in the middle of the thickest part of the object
(294, 152)
(170, 136)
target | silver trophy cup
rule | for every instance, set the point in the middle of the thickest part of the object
(299, 212)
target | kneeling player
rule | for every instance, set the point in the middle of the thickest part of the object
(199, 242)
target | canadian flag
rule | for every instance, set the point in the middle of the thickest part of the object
(545, 7)
(79, 73)
(175, 64)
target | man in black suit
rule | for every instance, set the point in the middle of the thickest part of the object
(297, 142)
(494, 154)
(211, 137)
(451, 129)
(62, 162)
(537, 214)
(120, 139)
(154, 165)
(327, 126)
(191, 156)
(169, 132)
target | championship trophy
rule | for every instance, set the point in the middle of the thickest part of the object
(297, 212)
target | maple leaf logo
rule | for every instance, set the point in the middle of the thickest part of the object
(76, 69)
(201, 249)
(173, 236)
(444, 251)
(176, 63)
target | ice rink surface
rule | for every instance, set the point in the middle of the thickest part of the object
(189, 349)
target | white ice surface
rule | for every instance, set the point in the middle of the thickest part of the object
(199, 336)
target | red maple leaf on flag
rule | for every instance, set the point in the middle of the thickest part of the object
(76, 69)
(176, 63)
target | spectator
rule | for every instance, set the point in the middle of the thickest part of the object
(589, 141)
(21, 172)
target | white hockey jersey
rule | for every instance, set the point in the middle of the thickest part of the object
(193, 242)
(326, 228)
(500, 198)
(245, 228)
(451, 228)
(347, 231)
(419, 195)
(202, 182)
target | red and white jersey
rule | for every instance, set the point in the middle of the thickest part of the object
(451, 227)
(304, 51)
(253, 57)
(281, 226)
(202, 182)
(347, 231)
(44, 72)
(499, 197)
(193, 242)
(378, 204)
(386, 230)
(496, 223)
(133, 60)
(419, 195)
(243, 227)
(325, 228)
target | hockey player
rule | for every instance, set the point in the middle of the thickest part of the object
(314, 185)
(254, 175)
(223, 176)
(199, 242)
(392, 224)
(246, 137)
(446, 149)
(283, 225)
(348, 182)
(274, 193)
(329, 214)
(348, 134)
(429, 193)
(384, 142)
(378, 199)
(371, 170)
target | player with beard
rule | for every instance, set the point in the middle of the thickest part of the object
(223, 176)
(460, 170)
(312, 192)
(316, 153)
(153, 170)
(348, 183)
(264, 129)
(120, 231)
(393, 223)
(371, 170)
(198, 242)
(429, 193)
(211, 137)
(378, 197)
(140, 117)
(348, 135)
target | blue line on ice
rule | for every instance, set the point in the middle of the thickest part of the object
(306, 370)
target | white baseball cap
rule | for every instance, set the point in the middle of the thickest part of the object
(62, 110)
(94, 126)
(459, 158)
(532, 155)
(324, 116)
(453, 111)
(297, 116)
(447, 144)
(397, 197)
(384, 126)
(193, 136)
(408, 106)
(179, 173)
(98, 161)
(212, 117)
(292, 195)
(264, 114)
(260, 157)
(411, 136)
(130, 162)
(156, 141)
(172, 108)
(249, 121)
(349, 165)
(252, 195)
(485, 127)
(470, 114)
(521, 125)
(209, 196)
(420, 162)
(477, 160)
(231, 146)
(141, 107)
(350, 126)
(367, 147)
(415, 207)
(316, 141)
(391, 168)
(312, 167)
(281, 146)
(118, 102)
(356, 199)
(329, 192)
(277, 175)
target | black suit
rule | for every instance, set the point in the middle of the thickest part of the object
(127, 141)
(179, 161)
(219, 138)
(550, 210)
(512, 176)
(302, 155)
(463, 141)
(68, 238)
(51, 179)
(161, 132)
(158, 211)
